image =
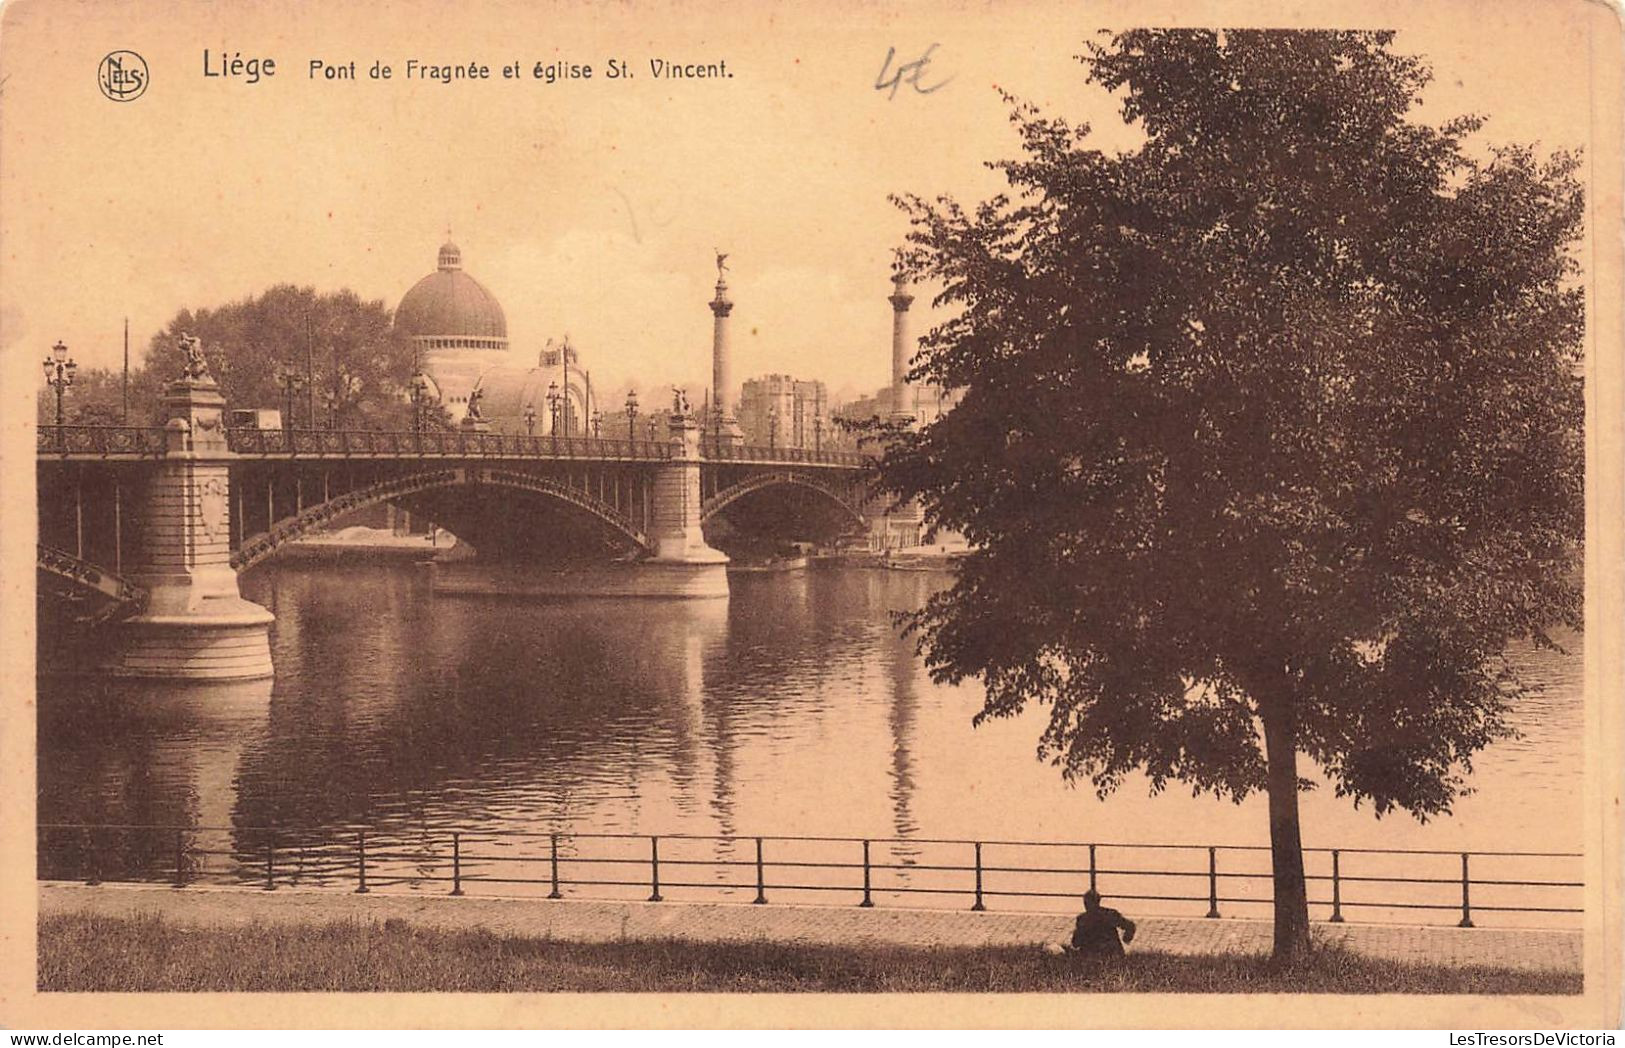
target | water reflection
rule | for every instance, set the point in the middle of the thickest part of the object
(792, 708)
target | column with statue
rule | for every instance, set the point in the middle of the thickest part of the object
(196, 624)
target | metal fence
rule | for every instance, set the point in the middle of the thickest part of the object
(342, 443)
(148, 442)
(722, 452)
(1197, 880)
(103, 441)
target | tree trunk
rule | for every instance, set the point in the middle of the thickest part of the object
(1286, 843)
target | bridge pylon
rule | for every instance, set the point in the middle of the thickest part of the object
(674, 527)
(196, 625)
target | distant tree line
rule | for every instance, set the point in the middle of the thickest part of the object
(358, 369)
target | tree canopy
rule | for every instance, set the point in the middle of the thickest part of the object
(361, 366)
(1270, 438)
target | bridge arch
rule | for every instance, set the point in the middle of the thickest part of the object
(842, 499)
(104, 594)
(258, 547)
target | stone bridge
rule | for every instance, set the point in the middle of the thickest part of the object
(148, 527)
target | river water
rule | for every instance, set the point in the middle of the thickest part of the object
(790, 709)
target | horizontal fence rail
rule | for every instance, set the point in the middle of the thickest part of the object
(101, 441)
(721, 452)
(149, 442)
(1198, 880)
(339, 443)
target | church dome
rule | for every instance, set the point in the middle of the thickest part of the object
(448, 309)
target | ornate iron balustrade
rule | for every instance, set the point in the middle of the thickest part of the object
(720, 452)
(103, 441)
(149, 442)
(341, 443)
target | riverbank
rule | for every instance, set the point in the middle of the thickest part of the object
(813, 944)
(90, 953)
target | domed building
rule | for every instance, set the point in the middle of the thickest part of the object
(461, 336)
(458, 327)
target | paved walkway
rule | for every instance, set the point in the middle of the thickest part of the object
(596, 921)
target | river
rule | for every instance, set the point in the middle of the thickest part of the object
(790, 709)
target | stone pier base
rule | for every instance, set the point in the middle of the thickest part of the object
(184, 647)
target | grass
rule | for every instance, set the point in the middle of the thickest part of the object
(91, 953)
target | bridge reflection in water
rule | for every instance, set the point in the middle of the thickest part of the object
(793, 708)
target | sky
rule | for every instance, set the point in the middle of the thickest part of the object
(589, 207)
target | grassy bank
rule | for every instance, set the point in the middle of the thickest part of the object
(147, 954)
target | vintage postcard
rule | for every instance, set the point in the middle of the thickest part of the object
(824, 514)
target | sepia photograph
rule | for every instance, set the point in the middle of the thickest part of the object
(1013, 515)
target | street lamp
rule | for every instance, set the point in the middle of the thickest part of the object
(553, 406)
(59, 369)
(419, 391)
(530, 420)
(651, 430)
(818, 433)
(631, 416)
(597, 424)
(291, 382)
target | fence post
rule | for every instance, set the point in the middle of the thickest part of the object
(977, 905)
(867, 901)
(761, 882)
(553, 859)
(93, 858)
(270, 862)
(654, 868)
(1092, 868)
(180, 859)
(361, 861)
(457, 864)
(1466, 896)
(1337, 889)
(1212, 882)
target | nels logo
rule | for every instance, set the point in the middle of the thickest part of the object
(123, 76)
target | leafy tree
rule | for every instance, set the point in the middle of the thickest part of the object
(96, 398)
(1270, 439)
(361, 366)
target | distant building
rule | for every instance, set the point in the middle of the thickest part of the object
(786, 412)
(461, 335)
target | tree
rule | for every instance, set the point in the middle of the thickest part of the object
(1270, 439)
(96, 398)
(361, 366)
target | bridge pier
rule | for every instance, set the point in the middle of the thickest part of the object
(196, 625)
(674, 526)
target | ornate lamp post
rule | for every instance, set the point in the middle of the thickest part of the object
(631, 416)
(59, 369)
(418, 389)
(597, 424)
(530, 420)
(818, 433)
(651, 431)
(553, 406)
(291, 382)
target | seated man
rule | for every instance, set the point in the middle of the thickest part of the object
(1096, 932)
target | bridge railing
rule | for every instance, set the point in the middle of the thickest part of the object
(1396, 885)
(124, 441)
(723, 452)
(339, 443)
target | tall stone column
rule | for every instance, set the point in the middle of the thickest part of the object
(901, 350)
(196, 625)
(724, 399)
(898, 527)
